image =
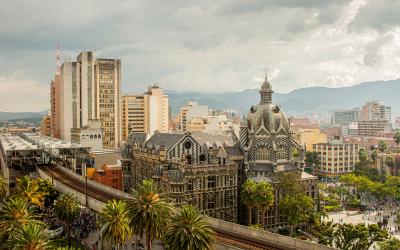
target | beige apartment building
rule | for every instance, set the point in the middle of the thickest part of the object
(134, 115)
(90, 89)
(336, 158)
(55, 107)
(372, 127)
(145, 113)
(45, 126)
(108, 84)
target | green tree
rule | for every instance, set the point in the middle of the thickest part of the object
(374, 155)
(363, 157)
(149, 212)
(324, 232)
(189, 231)
(248, 197)
(390, 244)
(382, 146)
(264, 197)
(114, 222)
(359, 236)
(47, 188)
(390, 162)
(31, 237)
(67, 209)
(396, 137)
(14, 214)
(29, 189)
(3, 188)
(296, 210)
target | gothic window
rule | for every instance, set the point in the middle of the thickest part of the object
(210, 202)
(262, 153)
(281, 153)
(202, 158)
(211, 181)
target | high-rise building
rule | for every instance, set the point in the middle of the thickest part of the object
(373, 111)
(134, 115)
(145, 113)
(55, 99)
(344, 117)
(157, 108)
(90, 89)
(45, 126)
(108, 84)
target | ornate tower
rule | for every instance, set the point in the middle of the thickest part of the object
(243, 134)
(266, 91)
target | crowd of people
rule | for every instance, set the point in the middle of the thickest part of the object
(85, 224)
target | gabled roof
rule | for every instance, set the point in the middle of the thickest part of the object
(137, 137)
(233, 150)
(219, 139)
(163, 139)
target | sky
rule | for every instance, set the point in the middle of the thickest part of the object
(213, 46)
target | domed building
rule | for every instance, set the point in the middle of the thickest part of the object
(267, 139)
(270, 150)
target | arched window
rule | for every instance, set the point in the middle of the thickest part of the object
(202, 157)
(262, 153)
(95, 136)
(281, 153)
(99, 136)
(91, 136)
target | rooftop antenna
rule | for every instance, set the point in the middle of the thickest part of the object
(58, 61)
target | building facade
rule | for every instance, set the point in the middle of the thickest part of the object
(90, 89)
(372, 127)
(270, 150)
(55, 106)
(134, 115)
(191, 111)
(372, 111)
(336, 158)
(190, 167)
(90, 135)
(344, 117)
(108, 110)
(45, 126)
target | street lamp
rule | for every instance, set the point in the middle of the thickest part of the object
(84, 168)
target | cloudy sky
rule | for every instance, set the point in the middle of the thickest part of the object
(205, 45)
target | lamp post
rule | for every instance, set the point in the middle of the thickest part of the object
(85, 174)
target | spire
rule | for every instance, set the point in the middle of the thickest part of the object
(266, 91)
(58, 57)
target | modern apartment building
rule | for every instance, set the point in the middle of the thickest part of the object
(55, 107)
(344, 117)
(134, 115)
(145, 113)
(335, 158)
(108, 109)
(89, 135)
(90, 89)
(45, 126)
(372, 111)
(372, 127)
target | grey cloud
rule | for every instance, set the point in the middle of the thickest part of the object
(380, 15)
(372, 54)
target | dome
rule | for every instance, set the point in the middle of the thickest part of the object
(266, 113)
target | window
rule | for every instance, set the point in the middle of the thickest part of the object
(262, 154)
(188, 145)
(202, 157)
(281, 153)
(210, 202)
(211, 181)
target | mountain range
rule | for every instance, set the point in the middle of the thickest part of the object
(299, 101)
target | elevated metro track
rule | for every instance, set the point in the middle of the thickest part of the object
(223, 236)
(228, 234)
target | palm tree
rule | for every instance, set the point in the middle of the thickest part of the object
(29, 189)
(67, 210)
(189, 231)
(3, 188)
(264, 197)
(14, 214)
(248, 197)
(114, 222)
(31, 237)
(149, 212)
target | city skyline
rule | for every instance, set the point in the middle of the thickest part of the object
(327, 43)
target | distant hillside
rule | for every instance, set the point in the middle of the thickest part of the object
(15, 116)
(300, 100)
